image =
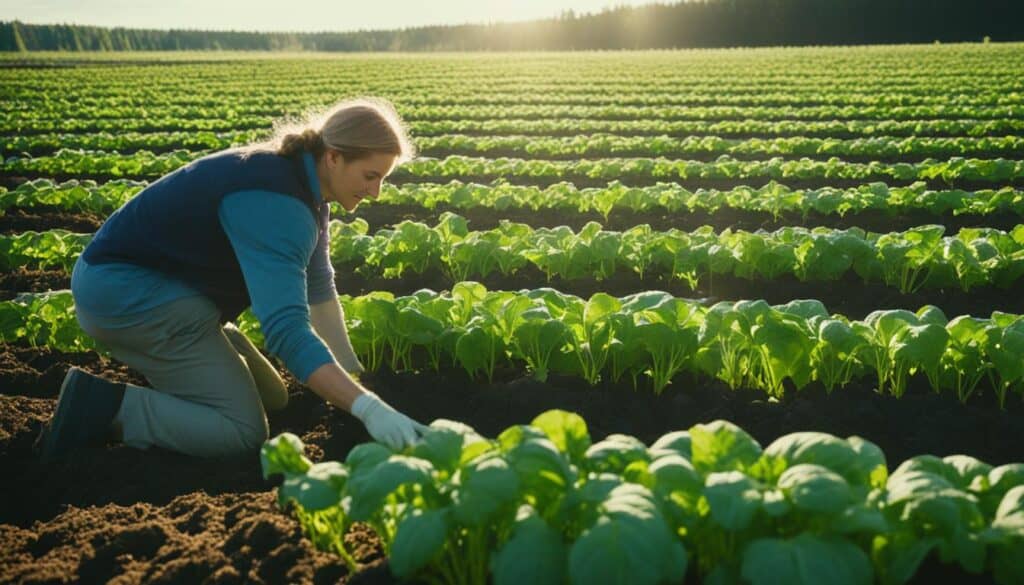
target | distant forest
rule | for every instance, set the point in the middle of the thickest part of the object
(693, 23)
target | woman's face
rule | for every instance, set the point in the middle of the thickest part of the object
(349, 182)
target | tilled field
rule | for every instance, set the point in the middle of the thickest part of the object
(885, 139)
(156, 516)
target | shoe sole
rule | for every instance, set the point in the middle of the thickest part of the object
(59, 416)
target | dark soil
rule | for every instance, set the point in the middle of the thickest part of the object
(116, 513)
(143, 516)
(154, 516)
(16, 220)
(24, 279)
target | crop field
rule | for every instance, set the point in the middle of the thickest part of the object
(699, 316)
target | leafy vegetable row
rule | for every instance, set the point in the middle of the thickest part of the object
(432, 127)
(652, 334)
(457, 94)
(773, 198)
(22, 119)
(146, 164)
(956, 168)
(820, 129)
(561, 147)
(945, 69)
(321, 83)
(919, 257)
(313, 85)
(545, 504)
(609, 144)
(911, 260)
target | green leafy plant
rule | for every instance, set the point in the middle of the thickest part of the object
(543, 502)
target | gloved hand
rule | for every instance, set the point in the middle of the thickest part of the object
(384, 423)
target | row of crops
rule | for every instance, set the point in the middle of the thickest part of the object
(917, 258)
(652, 335)
(773, 198)
(144, 163)
(572, 146)
(809, 142)
(18, 119)
(555, 507)
(241, 128)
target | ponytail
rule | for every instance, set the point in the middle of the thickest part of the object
(309, 139)
(357, 128)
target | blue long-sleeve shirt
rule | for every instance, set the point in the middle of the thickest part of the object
(285, 265)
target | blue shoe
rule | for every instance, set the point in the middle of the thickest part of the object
(86, 407)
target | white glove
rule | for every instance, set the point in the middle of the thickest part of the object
(384, 423)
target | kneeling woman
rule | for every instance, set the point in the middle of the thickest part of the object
(169, 271)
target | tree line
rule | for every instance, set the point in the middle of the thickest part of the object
(692, 23)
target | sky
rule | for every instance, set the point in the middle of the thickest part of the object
(291, 15)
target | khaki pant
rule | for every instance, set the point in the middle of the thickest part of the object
(204, 398)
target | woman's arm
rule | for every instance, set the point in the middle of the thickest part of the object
(325, 312)
(335, 386)
(273, 249)
(384, 423)
(328, 320)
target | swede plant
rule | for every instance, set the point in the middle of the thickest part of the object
(542, 503)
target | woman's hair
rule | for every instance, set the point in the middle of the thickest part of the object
(357, 128)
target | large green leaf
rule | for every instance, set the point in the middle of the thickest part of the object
(814, 488)
(805, 560)
(673, 473)
(364, 457)
(722, 446)
(614, 453)
(567, 430)
(629, 544)
(283, 454)
(787, 348)
(733, 498)
(676, 441)
(854, 464)
(534, 540)
(369, 490)
(419, 538)
(921, 345)
(477, 350)
(544, 472)
(1008, 538)
(485, 487)
(441, 446)
(312, 493)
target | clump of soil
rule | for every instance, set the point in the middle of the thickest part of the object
(195, 538)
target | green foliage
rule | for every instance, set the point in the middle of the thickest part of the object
(145, 163)
(542, 503)
(499, 195)
(910, 260)
(648, 335)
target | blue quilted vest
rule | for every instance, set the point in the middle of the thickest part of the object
(172, 225)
